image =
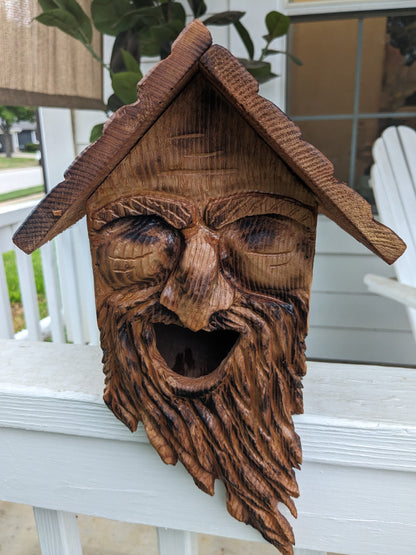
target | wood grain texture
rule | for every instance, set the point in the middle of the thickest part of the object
(338, 201)
(155, 92)
(202, 249)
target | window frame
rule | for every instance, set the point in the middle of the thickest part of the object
(300, 12)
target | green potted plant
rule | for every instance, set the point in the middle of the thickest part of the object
(148, 28)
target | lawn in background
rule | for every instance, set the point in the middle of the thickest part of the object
(37, 189)
(9, 259)
(17, 162)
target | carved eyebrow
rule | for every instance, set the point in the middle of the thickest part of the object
(179, 214)
(221, 212)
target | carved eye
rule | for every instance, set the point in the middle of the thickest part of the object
(137, 250)
(267, 254)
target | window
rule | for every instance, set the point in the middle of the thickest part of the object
(358, 77)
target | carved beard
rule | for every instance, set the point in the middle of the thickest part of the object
(238, 427)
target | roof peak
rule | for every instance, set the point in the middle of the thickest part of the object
(192, 52)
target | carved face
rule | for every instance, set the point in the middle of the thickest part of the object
(202, 296)
(201, 315)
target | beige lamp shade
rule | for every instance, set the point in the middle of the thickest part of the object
(42, 66)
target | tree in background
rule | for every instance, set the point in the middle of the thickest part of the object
(8, 116)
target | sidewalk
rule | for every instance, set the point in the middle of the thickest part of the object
(19, 154)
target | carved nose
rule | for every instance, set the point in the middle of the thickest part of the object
(196, 289)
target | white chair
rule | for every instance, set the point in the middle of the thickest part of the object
(393, 178)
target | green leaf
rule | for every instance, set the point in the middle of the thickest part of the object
(149, 46)
(245, 37)
(125, 86)
(154, 39)
(96, 132)
(131, 64)
(277, 24)
(143, 18)
(61, 19)
(142, 3)
(261, 71)
(295, 59)
(178, 13)
(198, 7)
(224, 18)
(129, 41)
(114, 103)
(84, 23)
(47, 5)
(109, 16)
(174, 11)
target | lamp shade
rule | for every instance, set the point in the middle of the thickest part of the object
(42, 66)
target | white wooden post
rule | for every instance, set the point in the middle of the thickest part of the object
(58, 532)
(6, 322)
(58, 155)
(72, 247)
(176, 542)
(85, 280)
(68, 280)
(29, 296)
(52, 292)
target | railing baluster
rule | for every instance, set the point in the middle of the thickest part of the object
(6, 321)
(58, 532)
(69, 289)
(85, 281)
(177, 542)
(29, 296)
(52, 292)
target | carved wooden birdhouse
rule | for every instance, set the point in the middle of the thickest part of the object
(201, 200)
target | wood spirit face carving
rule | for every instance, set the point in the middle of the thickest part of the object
(203, 263)
(201, 201)
(203, 331)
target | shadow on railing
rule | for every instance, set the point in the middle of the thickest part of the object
(67, 276)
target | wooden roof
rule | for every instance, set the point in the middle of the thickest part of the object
(192, 52)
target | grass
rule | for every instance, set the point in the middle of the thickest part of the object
(9, 259)
(17, 162)
(22, 193)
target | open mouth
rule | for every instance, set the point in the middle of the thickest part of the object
(193, 354)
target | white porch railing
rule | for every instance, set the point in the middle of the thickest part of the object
(10, 217)
(67, 275)
(64, 452)
(67, 454)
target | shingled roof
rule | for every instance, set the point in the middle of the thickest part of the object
(192, 52)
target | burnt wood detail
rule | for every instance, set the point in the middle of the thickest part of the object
(201, 202)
